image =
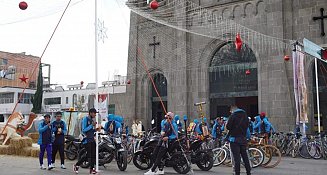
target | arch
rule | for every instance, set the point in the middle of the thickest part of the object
(236, 8)
(225, 13)
(259, 3)
(251, 8)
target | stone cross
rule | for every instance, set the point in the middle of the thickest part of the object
(154, 44)
(321, 17)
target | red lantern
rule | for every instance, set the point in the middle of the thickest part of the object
(286, 58)
(154, 4)
(248, 72)
(23, 5)
(238, 42)
(128, 82)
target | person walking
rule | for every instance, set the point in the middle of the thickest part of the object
(59, 128)
(45, 140)
(88, 130)
(237, 125)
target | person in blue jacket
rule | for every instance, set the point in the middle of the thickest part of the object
(169, 135)
(88, 130)
(59, 129)
(111, 127)
(178, 123)
(262, 125)
(45, 141)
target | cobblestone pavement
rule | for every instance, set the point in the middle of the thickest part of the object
(14, 165)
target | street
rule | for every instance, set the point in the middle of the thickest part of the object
(14, 165)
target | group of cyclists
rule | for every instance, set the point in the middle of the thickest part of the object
(171, 125)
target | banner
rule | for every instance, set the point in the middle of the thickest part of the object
(300, 87)
(103, 106)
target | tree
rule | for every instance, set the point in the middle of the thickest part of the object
(37, 99)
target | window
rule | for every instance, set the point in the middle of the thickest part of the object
(111, 109)
(6, 98)
(74, 100)
(82, 99)
(26, 98)
(66, 100)
(52, 101)
(2, 118)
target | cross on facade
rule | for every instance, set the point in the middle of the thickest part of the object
(321, 17)
(154, 44)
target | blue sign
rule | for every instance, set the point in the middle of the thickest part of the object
(312, 48)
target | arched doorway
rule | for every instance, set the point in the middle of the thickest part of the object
(158, 112)
(233, 79)
(322, 78)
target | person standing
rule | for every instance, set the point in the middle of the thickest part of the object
(45, 140)
(88, 130)
(59, 128)
(140, 129)
(134, 128)
(237, 125)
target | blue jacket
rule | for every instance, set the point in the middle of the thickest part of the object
(267, 125)
(45, 134)
(59, 139)
(179, 125)
(88, 130)
(216, 127)
(112, 119)
(171, 133)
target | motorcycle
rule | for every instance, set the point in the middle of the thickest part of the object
(109, 148)
(72, 147)
(203, 158)
(174, 157)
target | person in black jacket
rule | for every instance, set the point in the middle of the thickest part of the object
(237, 125)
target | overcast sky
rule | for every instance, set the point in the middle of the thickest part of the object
(71, 52)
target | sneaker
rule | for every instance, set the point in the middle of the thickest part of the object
(160, 172)
(75, 168)
(93, 171)
(63, 166)
(150, 172)
(50, 167)
(42, 167)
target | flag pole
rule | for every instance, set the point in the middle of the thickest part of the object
(317, 93)
(96, 105)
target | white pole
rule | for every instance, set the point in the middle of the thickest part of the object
(96, 83)
(317, 89)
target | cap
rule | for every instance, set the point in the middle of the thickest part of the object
(262, 114)
(92, 110)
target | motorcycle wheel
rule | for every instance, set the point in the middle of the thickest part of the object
(142, 161)
(206, 161)
(181, 166)
(81, 154)
(122, 161)
(71, 152)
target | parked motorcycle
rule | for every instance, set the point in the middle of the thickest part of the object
(203, 158)
(72, 147)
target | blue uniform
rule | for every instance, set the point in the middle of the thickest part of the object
(216, 130)
(88, 130)
(179, 125)
(59, 138)
(170, 133)
(113, 123)
(45, 134)
(266, 128)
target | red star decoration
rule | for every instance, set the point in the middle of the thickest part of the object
(23, 79)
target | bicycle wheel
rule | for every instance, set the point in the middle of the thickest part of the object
(228, 161)
(274, 155)
(219, 156)
(256, 157)
(314, 150)
(303, 151)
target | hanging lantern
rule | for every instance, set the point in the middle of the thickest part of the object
(238, 42)
(23, 5)
(128, 82)
(82, 82)
(248, 72)
(286, 58)
(154, 4)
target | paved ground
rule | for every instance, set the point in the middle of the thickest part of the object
(21, 165)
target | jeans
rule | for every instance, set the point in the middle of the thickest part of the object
(239, 150)
(44, 147)
(55, 149)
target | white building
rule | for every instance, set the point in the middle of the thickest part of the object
(82, 99)
(9, 97)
